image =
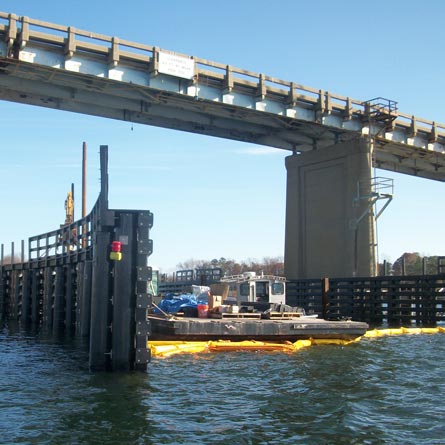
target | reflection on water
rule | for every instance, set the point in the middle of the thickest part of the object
(382, 391)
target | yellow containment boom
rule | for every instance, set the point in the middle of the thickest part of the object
(170, 347)
(403, 331)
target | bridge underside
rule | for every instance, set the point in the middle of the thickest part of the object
(64, 90)
(88, 94)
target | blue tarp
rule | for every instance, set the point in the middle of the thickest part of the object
(177, 303)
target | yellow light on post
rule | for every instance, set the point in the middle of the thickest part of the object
(115, 256)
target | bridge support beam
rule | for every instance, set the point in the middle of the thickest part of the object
(329, 232)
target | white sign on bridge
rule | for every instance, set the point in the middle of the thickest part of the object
(178, 66)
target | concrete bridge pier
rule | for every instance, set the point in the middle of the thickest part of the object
(330, 226)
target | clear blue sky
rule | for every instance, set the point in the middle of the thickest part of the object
(211, 197)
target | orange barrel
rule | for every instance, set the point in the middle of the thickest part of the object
(203, 310)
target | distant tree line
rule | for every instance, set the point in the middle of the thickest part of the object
(16, 259)
(411, 264)
(267, 266)
(406, 264)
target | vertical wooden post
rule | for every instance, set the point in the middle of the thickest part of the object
(124, 295)
(79, 285)
(440, 265)
(389, 295)
(87, 286)
(324, 297)
(83, 314)
(48, 295)
(59, 310)
(143, 295)
(100, 348)
(2, 287)
(14, 295)
(35, 300)
(7, 276)
(26, 297)
(84, 193)
(69, 306)
(84, 180)
(100, 302)
(3, 282)
(429, 302)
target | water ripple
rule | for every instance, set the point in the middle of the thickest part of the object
(380, 391)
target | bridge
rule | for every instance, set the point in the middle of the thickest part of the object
(333, 141)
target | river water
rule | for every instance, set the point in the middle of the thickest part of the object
(388, 390)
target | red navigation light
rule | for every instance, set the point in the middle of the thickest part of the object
(116, 246)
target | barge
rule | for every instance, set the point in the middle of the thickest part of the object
(242, 327)
(243, 307)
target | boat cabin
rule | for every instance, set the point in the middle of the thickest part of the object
(250, 287)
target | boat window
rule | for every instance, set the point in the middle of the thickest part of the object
(244, 289)
(278, 288)
(232, 290)
(262, 290)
